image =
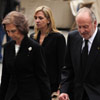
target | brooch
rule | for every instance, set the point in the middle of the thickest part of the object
(30, 48)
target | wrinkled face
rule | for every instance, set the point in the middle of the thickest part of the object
(40, 20)
(13, 32)
(85, 25)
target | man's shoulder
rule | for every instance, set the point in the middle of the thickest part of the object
(73, 32)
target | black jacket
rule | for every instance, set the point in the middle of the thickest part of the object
(24, 75)
(76, 81)
(54, 46)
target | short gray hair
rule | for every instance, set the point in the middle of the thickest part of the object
(17, 19)
(91, 13)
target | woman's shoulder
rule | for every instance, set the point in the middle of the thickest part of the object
(8, 44)
(32, 35)
(34, 45)
(33, 42)
(57, 34)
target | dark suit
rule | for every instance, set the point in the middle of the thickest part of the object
(76, 82)
(54, 46)
(24, 76)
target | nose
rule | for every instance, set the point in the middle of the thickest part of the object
(82, 30)
(37, 20)
(9, 34)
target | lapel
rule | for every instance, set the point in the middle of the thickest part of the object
(78, 53)
(23, 46)
(95, 49)
(10, 54)
(24, 50)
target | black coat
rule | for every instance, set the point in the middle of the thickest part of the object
(76, 81)
(24, 75)
(54, 46)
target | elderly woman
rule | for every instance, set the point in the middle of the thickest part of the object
(24, 74)
(53, 43)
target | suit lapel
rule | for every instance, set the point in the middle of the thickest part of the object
(77, 45)
(79, 48)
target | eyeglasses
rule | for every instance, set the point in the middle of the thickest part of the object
(12, 31)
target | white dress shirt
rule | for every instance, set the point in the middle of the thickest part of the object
(90, 41)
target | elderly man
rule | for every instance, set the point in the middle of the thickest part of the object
(81, 76)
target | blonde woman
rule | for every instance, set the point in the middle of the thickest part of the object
(53, 43)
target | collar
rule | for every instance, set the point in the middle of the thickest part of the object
(93, 36)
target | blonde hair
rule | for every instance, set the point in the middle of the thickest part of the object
(48, 14)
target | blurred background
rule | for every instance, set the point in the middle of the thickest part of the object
(64, 11)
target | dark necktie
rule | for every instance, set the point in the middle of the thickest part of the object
(84, 55)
